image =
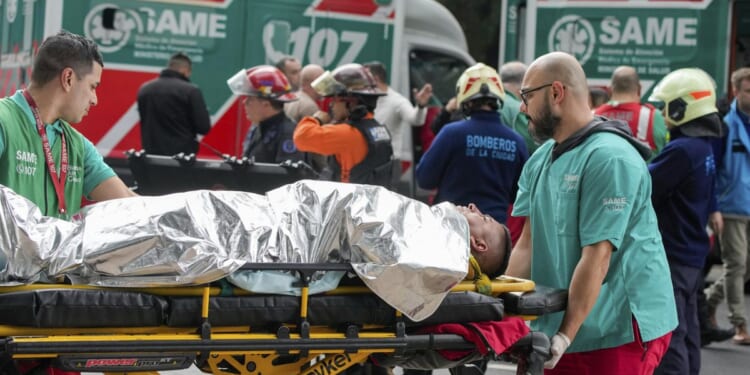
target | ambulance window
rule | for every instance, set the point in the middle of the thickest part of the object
(438, 69)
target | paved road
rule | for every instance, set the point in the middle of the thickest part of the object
(725, 358)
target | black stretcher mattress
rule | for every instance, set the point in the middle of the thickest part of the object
(81, 308)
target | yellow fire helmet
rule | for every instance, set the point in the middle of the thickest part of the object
(686, 94)
(479, 81)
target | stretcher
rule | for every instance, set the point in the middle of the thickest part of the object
(225, 330)
(159, 174)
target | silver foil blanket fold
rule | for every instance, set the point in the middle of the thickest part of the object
(407, 253)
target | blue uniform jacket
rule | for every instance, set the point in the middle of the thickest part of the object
(683, 177)
(478, 160)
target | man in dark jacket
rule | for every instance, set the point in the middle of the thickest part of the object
(172, 110)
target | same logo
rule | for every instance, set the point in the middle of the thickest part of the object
(123, 24)
(573, 34)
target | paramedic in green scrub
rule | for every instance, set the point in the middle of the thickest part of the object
(591, 230)
(41, 156)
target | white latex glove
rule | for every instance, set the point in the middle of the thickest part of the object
(558, 346)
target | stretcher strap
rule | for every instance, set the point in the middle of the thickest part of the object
(481, 280)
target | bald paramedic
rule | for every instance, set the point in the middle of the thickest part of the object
(591, 230)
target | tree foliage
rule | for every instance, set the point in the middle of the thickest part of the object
(480, 20)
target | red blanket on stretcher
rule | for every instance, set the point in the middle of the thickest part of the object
(496, 336)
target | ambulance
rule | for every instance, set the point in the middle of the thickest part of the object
(419, 41)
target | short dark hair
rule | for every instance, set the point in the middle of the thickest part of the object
(378, 70)
(180, 60)
(281, 64)
(598, 96)
(64, 50)
(507, 247)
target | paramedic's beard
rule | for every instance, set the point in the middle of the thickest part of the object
(544, 127)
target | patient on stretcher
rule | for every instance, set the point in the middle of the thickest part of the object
(409, 254)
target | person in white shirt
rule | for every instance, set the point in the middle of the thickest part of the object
(398, 114)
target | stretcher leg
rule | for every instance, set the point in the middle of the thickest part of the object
(531, 352)
(243, 364)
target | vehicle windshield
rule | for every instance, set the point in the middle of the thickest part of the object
(438, 69)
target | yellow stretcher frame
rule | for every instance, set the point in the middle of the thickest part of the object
(294, 349)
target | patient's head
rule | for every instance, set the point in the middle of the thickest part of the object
(490, 240)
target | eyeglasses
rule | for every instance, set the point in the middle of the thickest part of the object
(524, 93)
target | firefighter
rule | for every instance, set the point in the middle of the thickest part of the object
(265, 89)
(683, 177)
(360, 146)
(481, 148)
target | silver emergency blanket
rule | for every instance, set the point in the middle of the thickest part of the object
(177, 239)
(33, 244)
(407, 253)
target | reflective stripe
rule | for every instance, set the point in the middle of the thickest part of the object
(643, 118)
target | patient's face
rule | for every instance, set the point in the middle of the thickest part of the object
(487, 238)
(481, 225)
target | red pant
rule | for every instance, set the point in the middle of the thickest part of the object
(635, 358)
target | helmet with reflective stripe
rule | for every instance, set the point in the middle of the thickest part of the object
(479, 81)
(346, 80)
(686, 94)
(263, 81)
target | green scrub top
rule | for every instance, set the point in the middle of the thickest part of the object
(597, 191)
(95, 169)
(660, 133)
